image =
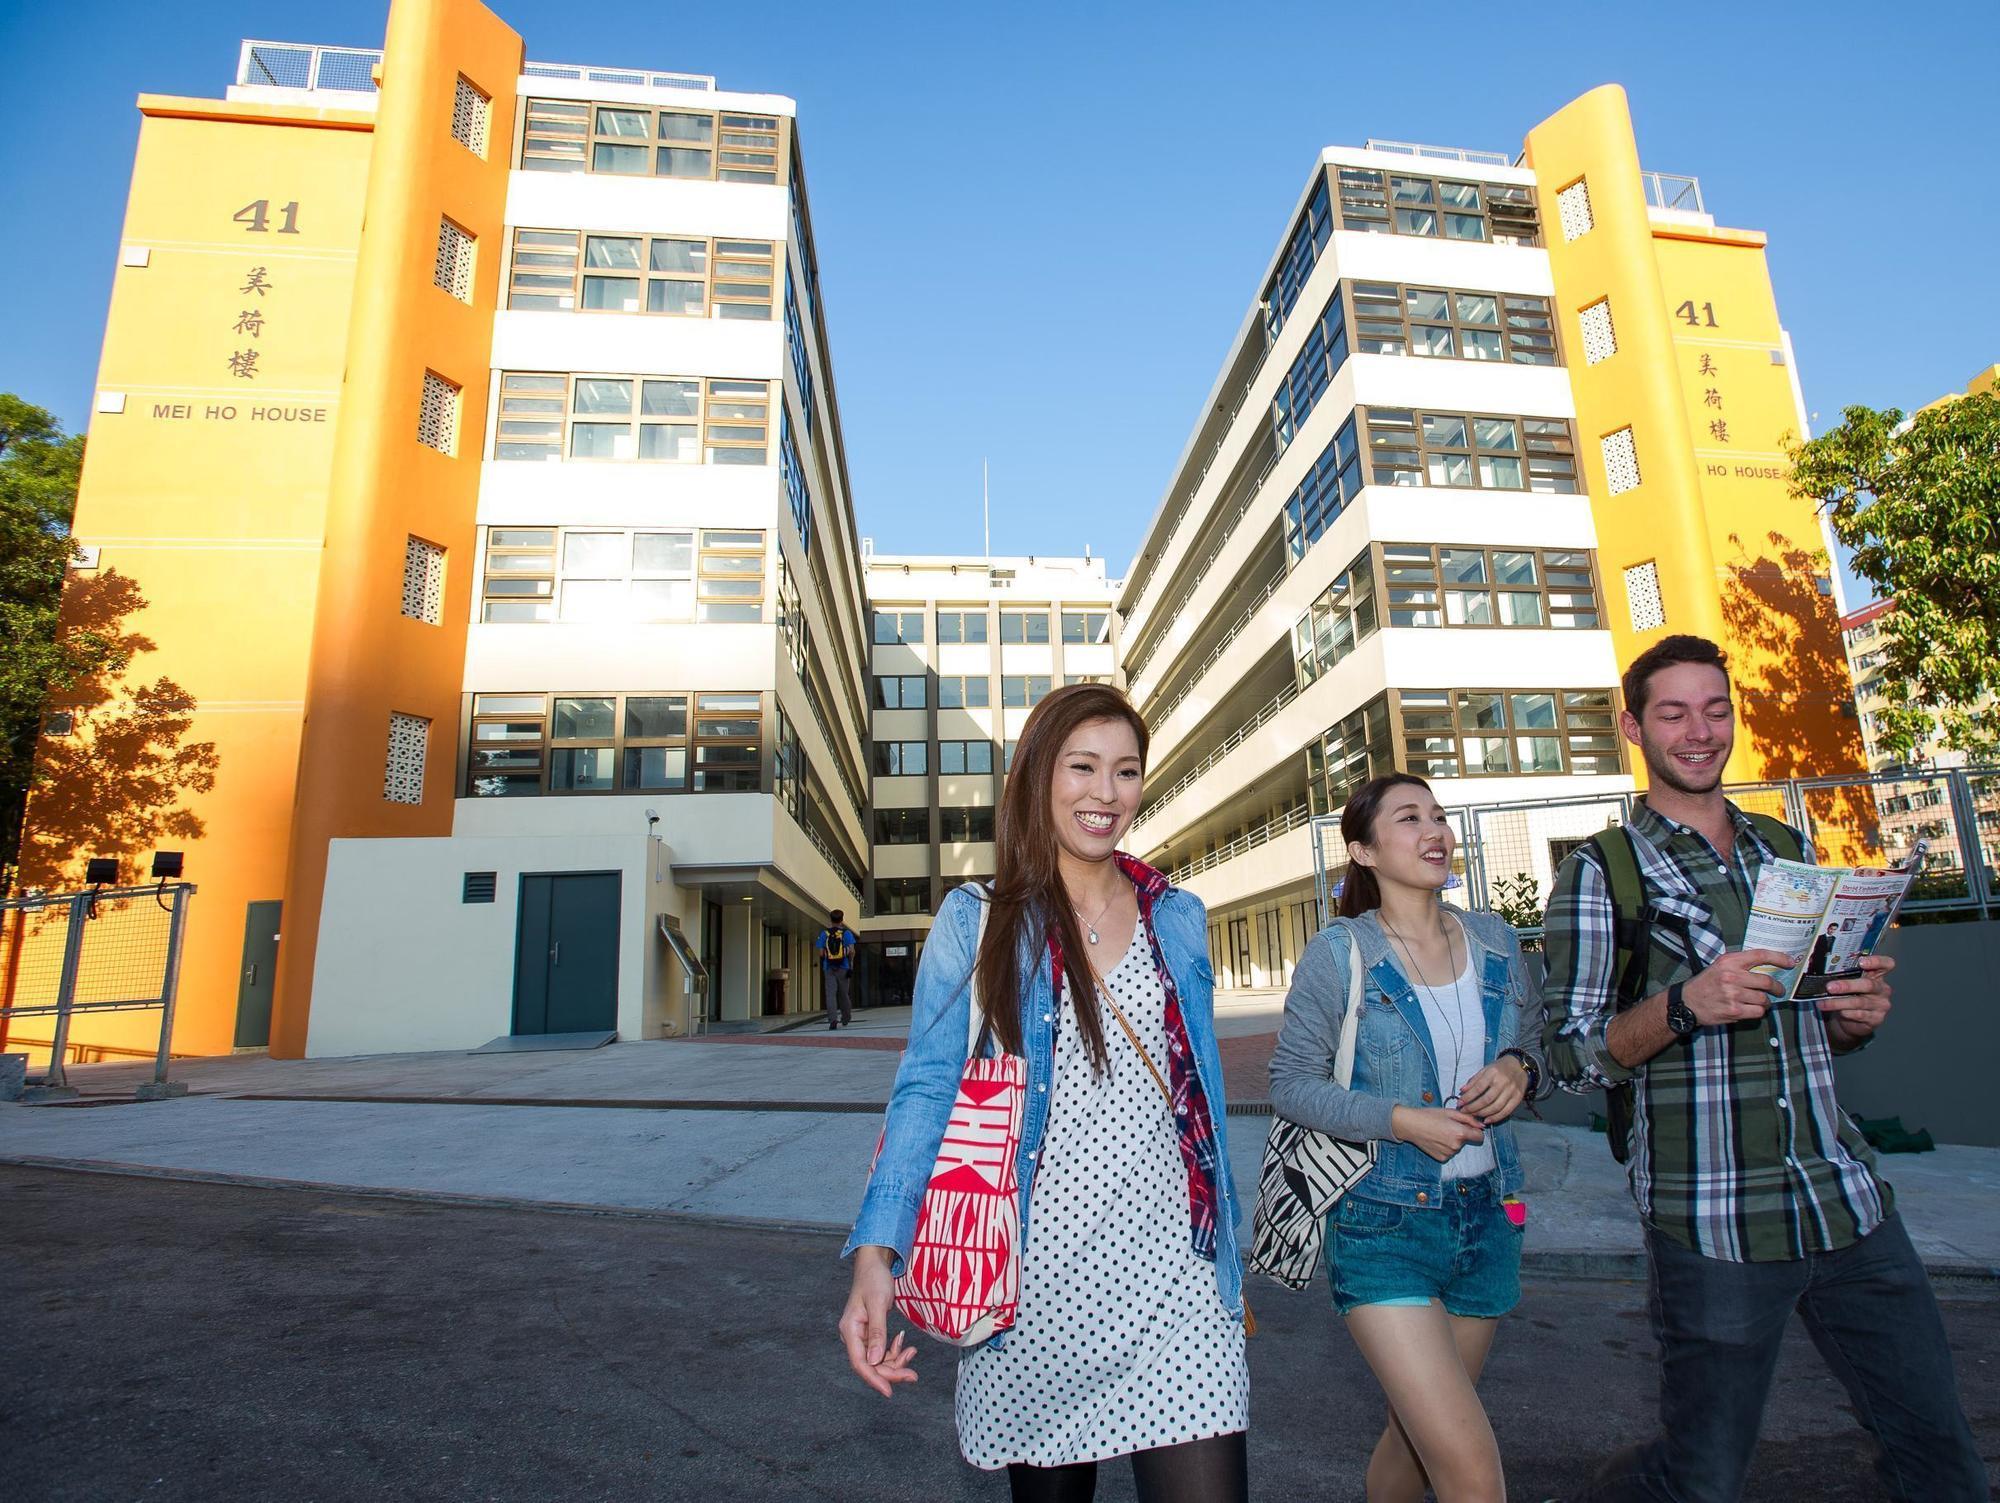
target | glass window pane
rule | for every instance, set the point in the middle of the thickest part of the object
(1511, 568)
(1533, 712)
(1480, 712)
(663, 296)
(593, 600)
(604, 253)
(1463, 565)
(1538, 753)
(679, 161)
(611, 294)
(1413, 190)
(650, 717)
(1496, 434)
(679, 255)
(663, 552)
(1451, 469)
(1431, 339)
(583, 720)
(678, 127)
(1444, 432)
(1478, 308)
(671, 399)
(1480, 344)
(1487, 754)
(1464, 227)
(637, 124)
(601, 441)
(1427, 305)
(596, 553)
(649, 767)
(608, 158)
(582, 769)
(1413, 221)
(1500, 474)
(674, 442)
(594, 394)
(662, 599)
(509, 730)
(1468, 608)
(1520, 609)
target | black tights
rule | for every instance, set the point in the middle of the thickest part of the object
(1215, 1470)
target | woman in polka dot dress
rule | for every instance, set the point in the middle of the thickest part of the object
(1128, 1339)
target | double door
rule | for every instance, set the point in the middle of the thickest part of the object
(566, 953)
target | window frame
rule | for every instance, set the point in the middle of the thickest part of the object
(1384, 322)
(541, 280)
(964, 616)
(1586, 714)
(741, 146)
(1378, 200)
(485, 708)
(1543, 448)
(1556, 594)
(721, 435)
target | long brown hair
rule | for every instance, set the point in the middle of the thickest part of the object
(1029, 899)
(1360, 892)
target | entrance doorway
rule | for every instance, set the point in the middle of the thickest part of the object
(1239, 951)
(566, 953)
(256, 981)
(711, 956)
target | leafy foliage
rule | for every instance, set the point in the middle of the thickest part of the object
(1518, 900)
(1919, 503)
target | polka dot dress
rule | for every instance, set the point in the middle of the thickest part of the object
(1121, 1342)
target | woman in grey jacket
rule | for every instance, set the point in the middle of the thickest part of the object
(1424, 1253)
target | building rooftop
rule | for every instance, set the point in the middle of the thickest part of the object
(351, 70)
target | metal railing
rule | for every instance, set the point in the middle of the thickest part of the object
(303, 65)
(1236, 629)
(1186, 592)
(105, 950)
(833, 858)
(640, 78)
(1673, 190)
(350, 70)
(1235, 739)
(1509, 851)
(1298, 815)
(1441, 153)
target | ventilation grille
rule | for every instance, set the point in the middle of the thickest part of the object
(1621, 461)
(403, 772)
(1642, 595)
(437, 424)
(470, 110)
(1573, 209)
(1600, 340)
(480, 887)
(453, 272)
(423, 581)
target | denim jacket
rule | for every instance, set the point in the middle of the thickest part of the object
(927, 1081)
(1395, 1060)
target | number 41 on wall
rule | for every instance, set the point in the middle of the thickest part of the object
(1685, 313)
(256, 218)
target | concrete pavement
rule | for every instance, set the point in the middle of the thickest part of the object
(775, 1129)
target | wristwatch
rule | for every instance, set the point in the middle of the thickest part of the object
(1680, 1017)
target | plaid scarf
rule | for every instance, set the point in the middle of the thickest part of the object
(1193, 1123)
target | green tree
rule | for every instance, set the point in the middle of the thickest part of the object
(1919, 505)
(39, 466)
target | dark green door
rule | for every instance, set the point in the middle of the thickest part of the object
(566, 953)
(254, 983)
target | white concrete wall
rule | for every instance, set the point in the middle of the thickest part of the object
(608, 203)
(637, 344)
(404, 963)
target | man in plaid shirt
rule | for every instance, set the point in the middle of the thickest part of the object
(1759, 1197)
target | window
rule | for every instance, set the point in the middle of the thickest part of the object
(902, 895)
(1007, 759)
(1311, 371)
(453, 270)
(898, 626)
(792, 623)
(1308, 239)
(1348, 755)
(1086, 627)
(972, 692)
(471, 116)
(1341, 619)
(1086, 678)
(795, 345)
(1458, 449)
(1378, 202)
(674, 420)
(894, 759)
(1491, 732)
(680, 275)
(1024, 626)
(726, 753)
(961, 626)
(1600, 338)
(1020, 690)
(900, 692)
(1642, 599)
(1621, 461)
(1573, 209)
(798, 494)
(731, 584)
(902, 826)
(1332, 482)
(565, 135)
(403, 767)
(965, 756)
(1433, 585)
(965, 824)
(538, 574)
(437, 414)
(1445, 322)
(423, 581)
(788, 769)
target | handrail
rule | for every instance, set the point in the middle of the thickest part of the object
(1299, 815)
(1673, 190)
(306, 65)
(1440, 153)
(833, 859)
(1236, 738)
(1236, 629)
(1186, 593)
(644, 78)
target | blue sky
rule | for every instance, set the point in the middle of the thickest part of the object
(1040, 224)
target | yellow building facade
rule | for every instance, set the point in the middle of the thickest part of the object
(1686, 398)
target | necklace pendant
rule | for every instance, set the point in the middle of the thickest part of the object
(1091, 932)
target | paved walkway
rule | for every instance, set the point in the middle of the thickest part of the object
(768, 1128)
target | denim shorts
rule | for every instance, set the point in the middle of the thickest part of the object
(1462, 1252)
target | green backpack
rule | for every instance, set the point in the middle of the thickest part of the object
(1633, 931)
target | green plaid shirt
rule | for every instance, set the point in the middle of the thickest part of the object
(1739, 1150)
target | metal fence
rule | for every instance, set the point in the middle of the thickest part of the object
(300, 65)
(83, 953)
(1508, 853)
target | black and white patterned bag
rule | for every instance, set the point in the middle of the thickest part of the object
(1305, 1172)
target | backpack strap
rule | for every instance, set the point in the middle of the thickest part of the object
(1632, 932)
(1779, 836)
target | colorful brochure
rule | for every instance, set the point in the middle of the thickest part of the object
(1829, 916)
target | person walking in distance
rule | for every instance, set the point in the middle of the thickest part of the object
(1424, 1251)
(1128, 1335)
(1758, 1194)
(834, 945)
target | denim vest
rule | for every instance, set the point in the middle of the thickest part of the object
(927, 1080)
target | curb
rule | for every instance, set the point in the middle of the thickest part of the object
(1594, 1265)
